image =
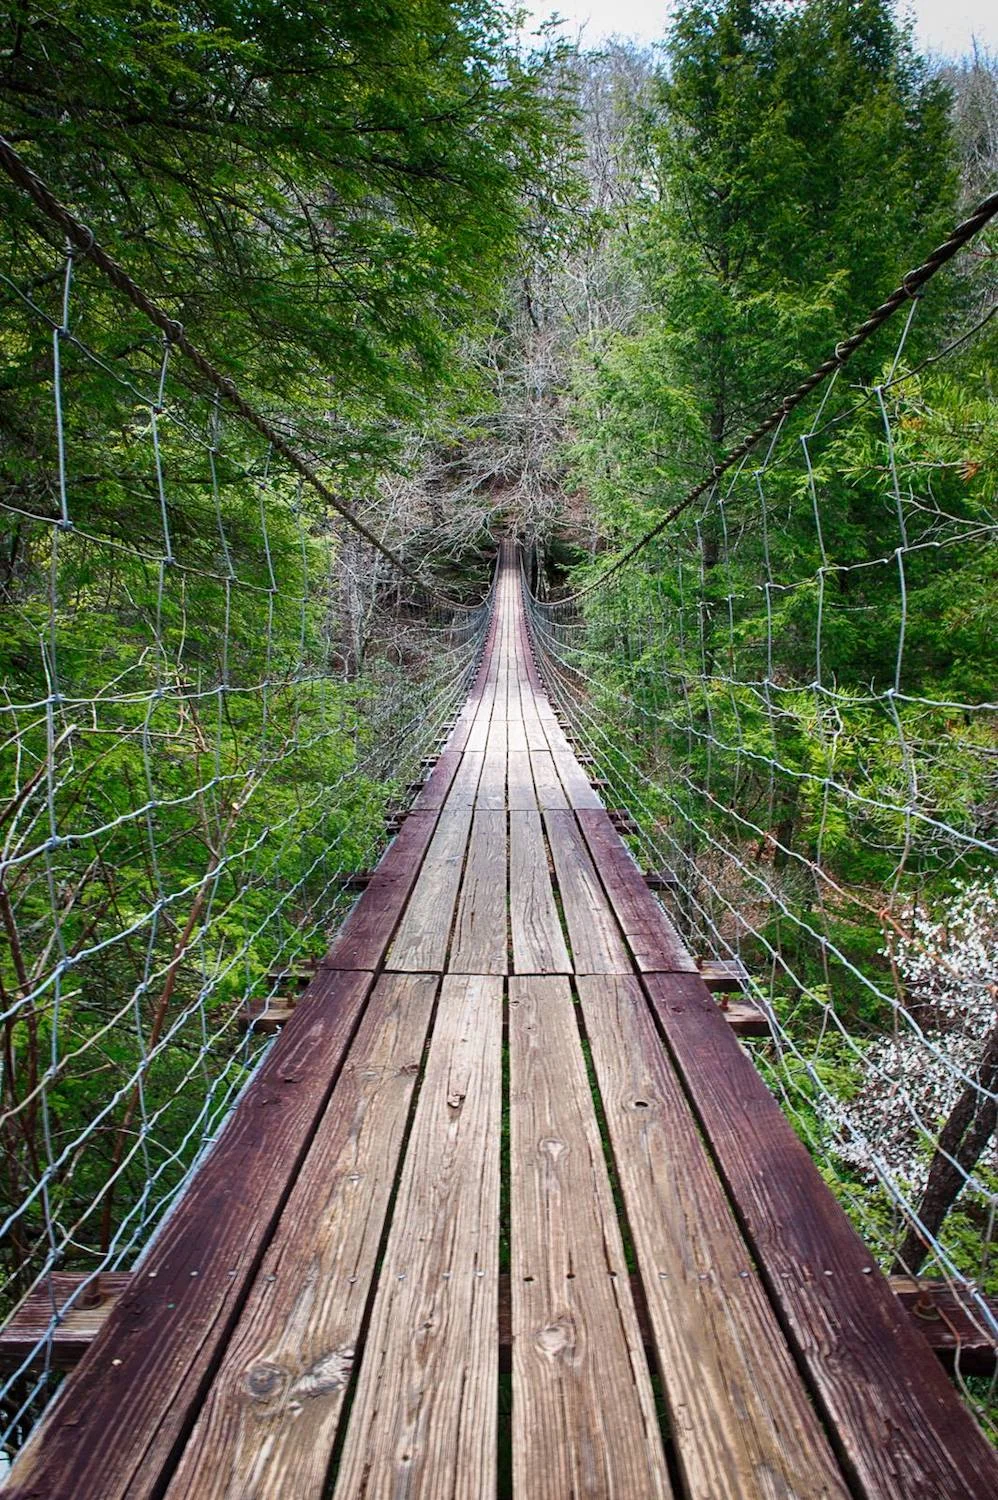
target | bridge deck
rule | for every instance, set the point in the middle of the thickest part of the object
(507, 1108)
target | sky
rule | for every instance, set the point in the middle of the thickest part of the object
(945, 27)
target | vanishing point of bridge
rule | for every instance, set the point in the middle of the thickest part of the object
(508, 1207)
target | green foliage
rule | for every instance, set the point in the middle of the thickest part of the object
(799, 162)
(324, 197)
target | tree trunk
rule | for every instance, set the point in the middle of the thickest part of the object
(966, 1133)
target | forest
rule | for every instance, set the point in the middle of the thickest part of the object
(473, 286)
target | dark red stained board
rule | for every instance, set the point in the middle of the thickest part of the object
(651, 937)
(434, 793)
(144, 1379)
(367, 931)
(900, 1431)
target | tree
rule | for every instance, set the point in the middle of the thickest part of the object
(324, 196)
(799, 161)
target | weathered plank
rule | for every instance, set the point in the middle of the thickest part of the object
(597, 947)
(480, 941)
(550, 792)
(464, 788)
(423, 1422)
(365, 934)
(742, 1420)
(521, 795)
(268, 1426)
(651, 937)
(584, 1420)
(578, 788)
(492, 787)
(120, 1416)
(516, 737)
(424, 932)
(538, 942)
(495, 745)
(724, 976)
(899, 1428)
(533, 728)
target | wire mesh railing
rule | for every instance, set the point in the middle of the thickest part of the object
(791, 690)
(215, 690)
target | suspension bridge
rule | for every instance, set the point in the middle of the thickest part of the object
(345, 1234)
(414, 1009)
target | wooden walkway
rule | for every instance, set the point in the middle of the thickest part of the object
(508, 1210)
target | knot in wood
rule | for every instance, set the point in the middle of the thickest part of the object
(266, 1381)
(556, 1339)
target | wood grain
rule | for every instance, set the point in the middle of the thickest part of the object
(30, 1334)
(550, 792)
(366, 933)
(654, 942)
(420, 943)
(898, 1425)
(533, 728)
(521, 795)
(464, 788)
(480, 942)
(492, 787)
(584, 1420)
(538, 942)
(597, 947)
(268, 1426)
(578, 789)
(741, 1419)
(423, 1422)
(120, 1416)
(516, 737)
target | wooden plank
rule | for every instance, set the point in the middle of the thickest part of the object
(742, 1419)
(480, 944)
(367, 931)
(724, 976)
(651, 937)
(464, 788)
(492, 787)
(438, 784)
(516, 737)
(30, 1334)
(745, 1019)
(574, 780)
(584, 1418)
(495, 745)
(514, 712)
(521, 794)
(423, 1422)
(899, 1426)
(550, 792)
(537, 740)
(268, 1425)
(597, 947)
(119, 1417)
(538, 942)
(479, 733)
(424, 932)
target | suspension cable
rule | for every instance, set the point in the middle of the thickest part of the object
(910, 286)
